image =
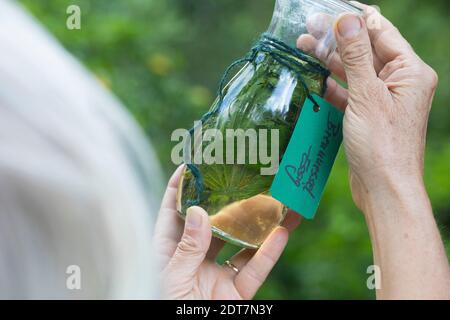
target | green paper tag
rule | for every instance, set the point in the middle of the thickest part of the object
(309, 157)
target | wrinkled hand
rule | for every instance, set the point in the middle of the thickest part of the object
(187, 255)
(387, 103)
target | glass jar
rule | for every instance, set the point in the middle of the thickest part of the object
(266, 95)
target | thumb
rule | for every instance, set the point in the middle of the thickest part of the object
(194, 244)
(355, 49)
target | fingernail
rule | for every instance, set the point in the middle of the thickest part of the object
(349, 26)
(193, 218)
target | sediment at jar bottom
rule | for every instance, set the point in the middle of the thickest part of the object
(246, 223)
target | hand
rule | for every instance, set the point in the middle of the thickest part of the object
(389, 96)
(188, 267)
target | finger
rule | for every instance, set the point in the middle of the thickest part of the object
(169, 226)
(170, 196)
(392, 68)
(337, 67)
(336, 94)
(355, 50)
(318, 24)
(193, 246)
(253, 274)
(308, 44)
(387, 41)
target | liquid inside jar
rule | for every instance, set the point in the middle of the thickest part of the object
(246, 223)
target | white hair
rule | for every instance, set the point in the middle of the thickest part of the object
(78, 181)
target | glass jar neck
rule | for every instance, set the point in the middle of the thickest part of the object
(284, 25)
(289, 16)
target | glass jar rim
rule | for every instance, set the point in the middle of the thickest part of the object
(334, 4)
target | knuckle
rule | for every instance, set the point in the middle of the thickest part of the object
(427, 77)
(388, 68)
(254, 274)
(354, 53)
(432, 77)
(394, 65)
(187, 245)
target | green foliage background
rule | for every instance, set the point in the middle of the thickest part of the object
(164, 58)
